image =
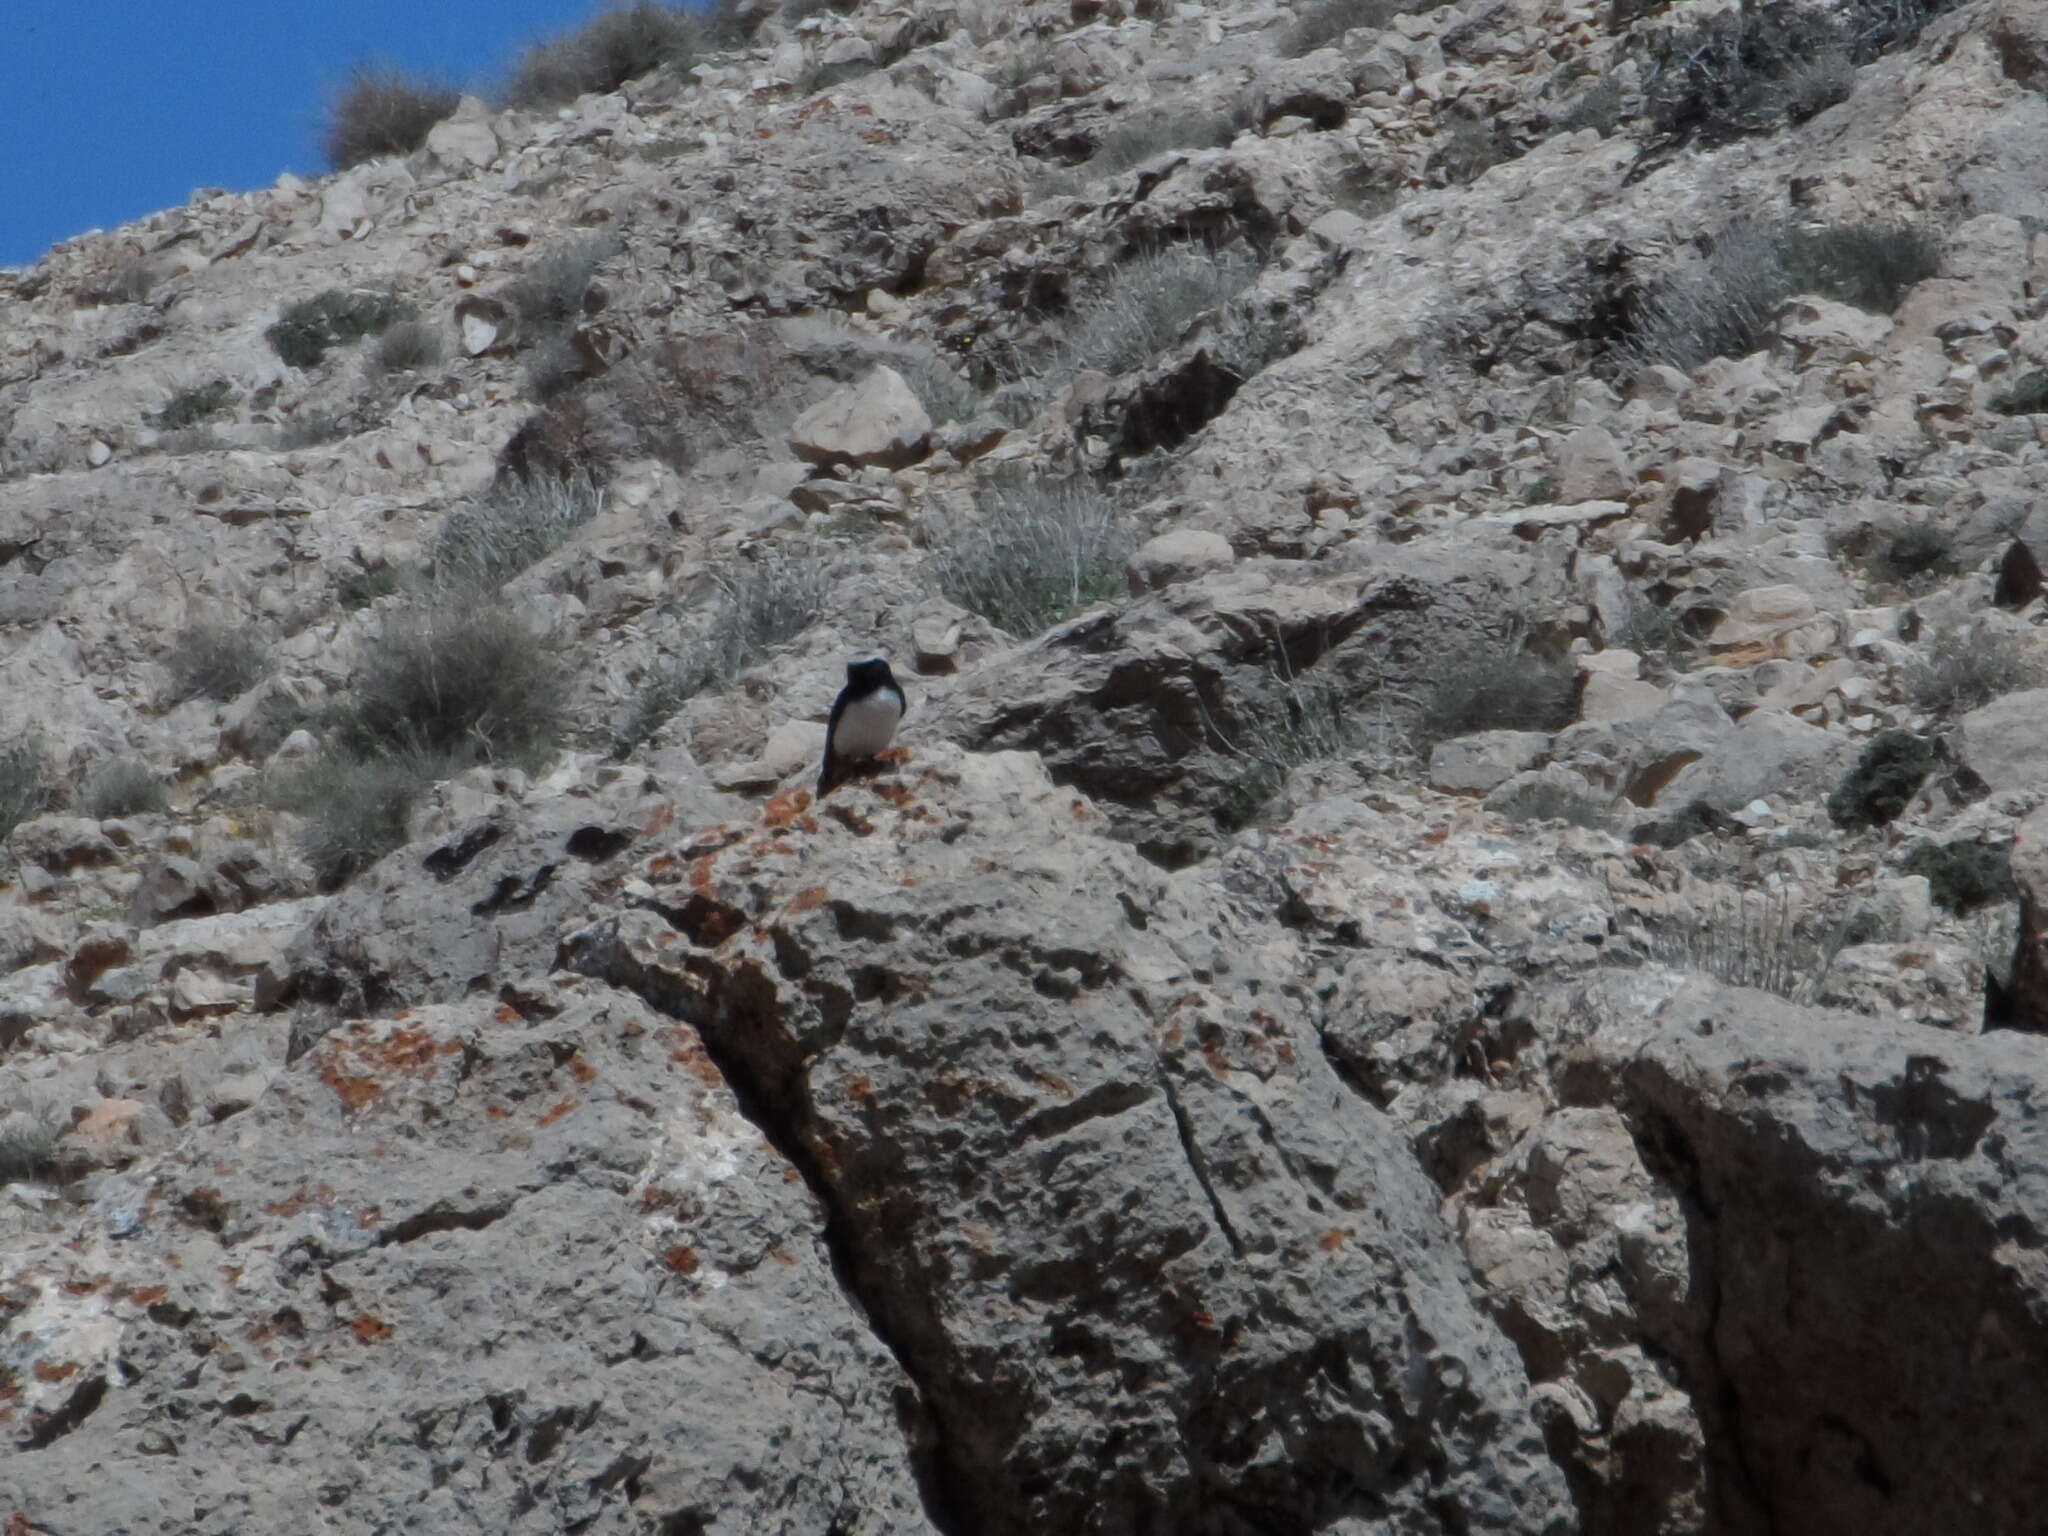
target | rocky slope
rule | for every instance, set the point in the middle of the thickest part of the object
(1490, 979)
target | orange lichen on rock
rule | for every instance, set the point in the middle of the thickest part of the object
(785, 809)
(808, 900)
(54, 1370)
(370, 1330)
(681, 1259)
(561, 1109)
(1333, 1239)
(580, 1069)
(357, 1065)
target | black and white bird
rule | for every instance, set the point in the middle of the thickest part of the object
(864, 719)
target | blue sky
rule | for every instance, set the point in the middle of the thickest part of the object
(111, 109)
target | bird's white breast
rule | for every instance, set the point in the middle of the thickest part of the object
(867, 726)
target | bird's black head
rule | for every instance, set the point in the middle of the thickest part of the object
(870, 676)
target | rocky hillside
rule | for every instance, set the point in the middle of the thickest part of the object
(1459, 938)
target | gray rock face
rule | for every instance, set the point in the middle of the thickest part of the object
(474, 1268)
(1155, 1266)
(2005, 743)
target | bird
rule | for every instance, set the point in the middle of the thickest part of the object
(864, 719)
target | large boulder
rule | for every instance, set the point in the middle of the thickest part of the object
(1155, 1266)
(876, 421)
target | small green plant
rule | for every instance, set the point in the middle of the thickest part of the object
(1747, 941)
(25, 789)
(1915, 553)
(1144, 135)
(758, 605)
(1883, 782)
(549, 296)
(308, 329)
(1966, 670)
(356, 808)
(359, 589)
(1497, 685)
(1964, 876)
(604, 53)
(311, 429)
(1727, 304)
(121, 786)
(1545, 799)
(2027, 396)
(1300, 719)
(1600, 108)
(410, 346)
(485, 543)
(1468, 147)
(29, 1149)
(382, 112)
(1539, 491)
(1149, 303)
(451, 680)
(216, 661)
(189, 407)
(1037, 553)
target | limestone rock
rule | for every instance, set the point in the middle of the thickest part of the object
(1593, 468)
(877, 421)
(2028, 999)
(1472, 765)
(1182, 555)
(2004, 744)
(464, 139)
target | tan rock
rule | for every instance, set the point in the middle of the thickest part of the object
(2005, 743)
(879, 420)
(1609, 697)
(1592, 467)
(1472, 765)
(1185, 554)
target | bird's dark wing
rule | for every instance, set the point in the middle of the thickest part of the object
(826, 781)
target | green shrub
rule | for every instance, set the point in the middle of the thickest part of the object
(410, 346)
(1037, 553)
(456, 680)
(215, 661)
(1697, 819)
(1964, 876)
(121, 786)
(485, 543)
(1727, 304)
(1497, 685)
(1326, 21)
(382, 112)
(759, 605)
(1300, 720)
(25, 789)
(359, 589)
(29, 1149)
(1599, 108)
(1544, 799)
(1141, 136)
(356, 808)
(1747, 941)
(603, 54)
(311, 429)
(189, 407)
(1966, 670)
(308, 329)
(2028, 395)
(549, 297)
(1914, 552)
(1883, 782)
(1149, 303)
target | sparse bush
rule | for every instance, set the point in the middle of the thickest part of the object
(2028, 395)
(604, 54)
(121, 786)
(554, 365)
(1545, 799)
(1727, 304)
(1651, 630)
(130, 283)
(1302, 719)
(359, 589)
(24, 784)
(487, 542)
(1468, 147)
(453, 681)
(1037, 553)
(382, 112)
(1326, 21)
(1747, 941)
(1965, 671)
(216, 661)
(1915, 552)
(759, 605)
(1697, 819)
(1883, 782)
(29, 1149)
(308, 329)
(945, 395)
(549, 297)
(1497, 685)
(356, 807)
(311, 429)
(189, 407)
(1964, 876)
(410, 346)
(1145, 134)
(1149, 303)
